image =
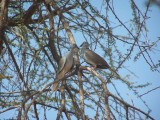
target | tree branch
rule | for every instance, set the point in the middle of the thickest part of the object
(33, 100)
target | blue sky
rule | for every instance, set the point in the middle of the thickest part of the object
(140, 67)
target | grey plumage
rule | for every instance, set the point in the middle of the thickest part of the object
(65, 65)
(94, 59)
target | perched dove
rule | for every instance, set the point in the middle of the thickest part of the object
(94, 59)
(64, 66)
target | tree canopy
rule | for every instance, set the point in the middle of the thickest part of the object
(34, 35)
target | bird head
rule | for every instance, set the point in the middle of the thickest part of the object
(85, 45)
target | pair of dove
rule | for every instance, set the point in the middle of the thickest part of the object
(66, 63)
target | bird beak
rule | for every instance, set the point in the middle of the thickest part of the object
(81, 44)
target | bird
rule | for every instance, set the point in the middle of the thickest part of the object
(65, 65)
(95, 60)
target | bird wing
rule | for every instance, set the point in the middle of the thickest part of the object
(69, 62)
(61, 64)
(65, 64)
(94, 59)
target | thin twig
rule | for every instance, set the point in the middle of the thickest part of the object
(149, 91)
(33, 100)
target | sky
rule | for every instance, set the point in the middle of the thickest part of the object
(140, 68)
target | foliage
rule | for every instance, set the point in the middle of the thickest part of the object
(33, 36)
